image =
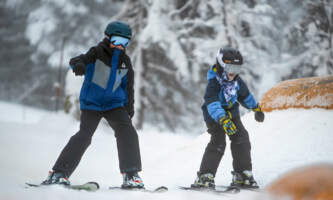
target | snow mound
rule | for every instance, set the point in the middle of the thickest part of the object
(311, 182)
(314, 92)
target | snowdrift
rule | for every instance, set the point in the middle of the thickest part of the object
(315, 92)
(311, 182)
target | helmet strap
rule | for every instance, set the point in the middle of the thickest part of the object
(219, 69)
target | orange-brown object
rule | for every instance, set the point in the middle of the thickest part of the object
(312, 183)
(315, 92)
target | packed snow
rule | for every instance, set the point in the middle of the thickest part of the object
(31, 140)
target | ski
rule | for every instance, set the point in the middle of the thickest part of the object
(160, 189)
(220, 190)
(89, 186)
(254, 189)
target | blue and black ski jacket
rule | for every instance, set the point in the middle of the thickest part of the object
(109, 79)
(215, 105)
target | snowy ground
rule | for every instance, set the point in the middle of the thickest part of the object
(30, 141)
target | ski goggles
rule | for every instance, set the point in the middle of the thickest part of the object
(232, 68)
(119, 40)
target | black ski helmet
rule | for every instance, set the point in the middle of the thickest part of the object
(229, 59)
(118, 28)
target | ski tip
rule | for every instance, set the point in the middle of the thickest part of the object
(162, 188)
(32, 185)
(94, 183)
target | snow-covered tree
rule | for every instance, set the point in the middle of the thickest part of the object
(175, 42)
(22, 79)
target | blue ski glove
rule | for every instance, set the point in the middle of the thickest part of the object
(259, 116)
(228, 126)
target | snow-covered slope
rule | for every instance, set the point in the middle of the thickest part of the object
(30, 141)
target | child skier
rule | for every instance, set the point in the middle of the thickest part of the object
(107, 92)
(224, 92)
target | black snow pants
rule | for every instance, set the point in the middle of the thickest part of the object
(126, 137)
(240, 148)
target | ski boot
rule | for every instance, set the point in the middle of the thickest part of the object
(56, 178)
(132, 180)
(205, 180)
(243, 180)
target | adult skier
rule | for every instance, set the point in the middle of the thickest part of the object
(224, 92)
(107, 92)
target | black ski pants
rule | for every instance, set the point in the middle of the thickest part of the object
(126, 137)
(240, 148)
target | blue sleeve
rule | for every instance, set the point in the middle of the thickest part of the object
(250, 102)
(215, 110)
(85, 59)
(245, 98)
(212, 101)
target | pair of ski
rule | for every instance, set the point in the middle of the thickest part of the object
(221, 189)
(216, 190)
(93, 186)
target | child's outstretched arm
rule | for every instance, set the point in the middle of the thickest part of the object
(79, 63)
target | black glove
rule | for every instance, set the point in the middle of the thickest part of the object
(259, 116)
(79, 69)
